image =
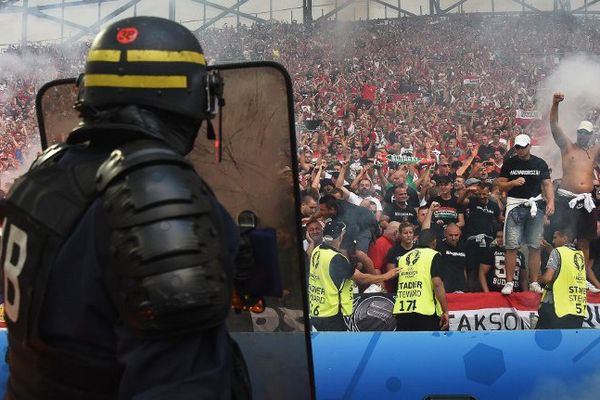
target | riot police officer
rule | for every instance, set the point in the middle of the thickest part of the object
(117, 258)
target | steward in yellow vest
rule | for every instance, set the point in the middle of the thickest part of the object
(421, 298)
(564, 300)
(331, 281)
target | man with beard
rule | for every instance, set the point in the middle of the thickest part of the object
(454, 255)
(574, 202)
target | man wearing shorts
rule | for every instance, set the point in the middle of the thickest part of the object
(525, 178)
(574, 201)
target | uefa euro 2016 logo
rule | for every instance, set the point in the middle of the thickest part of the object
(578, 261)
(413, 257)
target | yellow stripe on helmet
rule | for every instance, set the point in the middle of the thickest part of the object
(136, 81)
(165, 56)
(104, 55)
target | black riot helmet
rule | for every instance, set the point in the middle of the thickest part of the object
(152, 62)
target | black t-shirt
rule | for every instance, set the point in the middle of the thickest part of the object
(447, 213)
(496, 276)
(481, 218)
(392, 257)
(395, 213)
(340, 268)
(413, 196)
(534, 170)
(395, 253)
(454, 264)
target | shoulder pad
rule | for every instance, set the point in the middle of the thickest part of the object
(52, 153)
(135, 155)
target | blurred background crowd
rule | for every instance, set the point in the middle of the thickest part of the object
(392, 116)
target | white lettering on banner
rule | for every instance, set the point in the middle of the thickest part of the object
(491, 319)
(498, 312)
(522, 114)
(534, 172)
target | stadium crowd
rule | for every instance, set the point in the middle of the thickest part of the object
(402, 124)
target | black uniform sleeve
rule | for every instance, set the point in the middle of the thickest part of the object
(340, 269)
(436, 266)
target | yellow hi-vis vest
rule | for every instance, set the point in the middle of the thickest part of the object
(415, 292)
(569, 287)
(324, 298)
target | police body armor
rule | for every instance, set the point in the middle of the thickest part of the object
(166, 260)
(156, 67)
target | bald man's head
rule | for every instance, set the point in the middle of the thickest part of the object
(391, 231)
(452, 234)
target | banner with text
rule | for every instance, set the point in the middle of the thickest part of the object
(467, 311)
(526, 117)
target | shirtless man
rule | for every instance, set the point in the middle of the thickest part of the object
(574, 202)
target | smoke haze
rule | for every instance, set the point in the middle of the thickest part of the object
(578, 78)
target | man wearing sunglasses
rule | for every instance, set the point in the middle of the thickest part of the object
(575, 208)
(524, 178)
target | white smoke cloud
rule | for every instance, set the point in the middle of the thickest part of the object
(578, 77)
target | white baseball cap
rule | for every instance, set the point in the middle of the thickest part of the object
(586, 126)
(522, 140)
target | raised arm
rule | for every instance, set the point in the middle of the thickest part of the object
(463, 199)
(427, 221)
(465, 165)
(559, 136)
(316, 182)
